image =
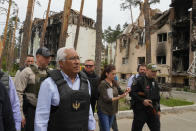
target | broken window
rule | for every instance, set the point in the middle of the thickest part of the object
(161, 59)
(124, 60)
(141, 60)
(186, 82)
(124, 42)
(123, 76)
(162, 37)
(161, 80)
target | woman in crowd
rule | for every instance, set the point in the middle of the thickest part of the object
(108, 97)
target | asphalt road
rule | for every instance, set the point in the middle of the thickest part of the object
(183, 121)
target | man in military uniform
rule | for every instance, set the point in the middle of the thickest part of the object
(28, 85)
(29, 61)
(64, 97)
(146, 101)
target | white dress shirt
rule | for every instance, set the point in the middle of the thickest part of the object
(49, 95)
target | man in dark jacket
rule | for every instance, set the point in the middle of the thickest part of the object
(6, 115)
(146, 101)
(93, 78)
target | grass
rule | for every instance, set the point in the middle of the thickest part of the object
(170, 102)
(123, 105)
(174, 102)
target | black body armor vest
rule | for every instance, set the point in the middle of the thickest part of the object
(72, 114)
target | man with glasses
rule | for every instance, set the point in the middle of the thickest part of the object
(146, 100)
(28, 85)
(64, 97)
(89, 70)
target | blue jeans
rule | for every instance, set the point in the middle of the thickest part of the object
(105, 121)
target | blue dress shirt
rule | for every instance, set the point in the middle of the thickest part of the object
(130, 81)
(15, 103)
(49, 95)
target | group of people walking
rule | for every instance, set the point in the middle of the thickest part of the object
(66, 98)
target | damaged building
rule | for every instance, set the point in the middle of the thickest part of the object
(86, 39)
(172, 45)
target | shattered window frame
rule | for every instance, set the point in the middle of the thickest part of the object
(124, 60)
(162, 37)
(161, 60)
(141, 60)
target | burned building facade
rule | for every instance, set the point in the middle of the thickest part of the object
(173, 45)
(86, 39)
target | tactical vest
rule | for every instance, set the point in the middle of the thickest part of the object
(34, 88)
(73, 111)
(4, 77)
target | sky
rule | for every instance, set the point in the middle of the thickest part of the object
(112, 14)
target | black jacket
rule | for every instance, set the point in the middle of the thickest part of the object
(94, 82)
(6, 115)
(150, 89)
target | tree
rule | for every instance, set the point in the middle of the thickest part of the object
(11, 52)
(110, 35)
(6, 26)
(27, 29)
(146, 9)
(44, 26)
(98, 37)
(64, 25)
(78, 25)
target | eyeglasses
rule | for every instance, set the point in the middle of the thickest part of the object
(73, 58)
(89, 66)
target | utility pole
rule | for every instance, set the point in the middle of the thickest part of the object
(27, 31)
(64, 25)
(6, 26)
(78, 25)
(45, 24)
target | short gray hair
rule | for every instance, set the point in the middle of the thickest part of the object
(61, 54)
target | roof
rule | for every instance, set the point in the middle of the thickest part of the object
(54, 14)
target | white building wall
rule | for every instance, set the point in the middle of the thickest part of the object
(86, 41)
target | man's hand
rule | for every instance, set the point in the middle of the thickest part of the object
(23, 122)
(159, 113)
(147, 102)
(128, 90)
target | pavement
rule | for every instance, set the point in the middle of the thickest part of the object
(179, 118)
(181, 121)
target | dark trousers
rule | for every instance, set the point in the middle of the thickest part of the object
(30, 117)
(114, 124)
(142, 117)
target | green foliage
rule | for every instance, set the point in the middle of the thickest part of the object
(14, 69)
(110, 35)
(4, 62)
(123, 105)
(174, 102)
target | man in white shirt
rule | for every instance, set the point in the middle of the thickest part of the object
(64, 97)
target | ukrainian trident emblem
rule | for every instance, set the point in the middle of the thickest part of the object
(76, 105)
